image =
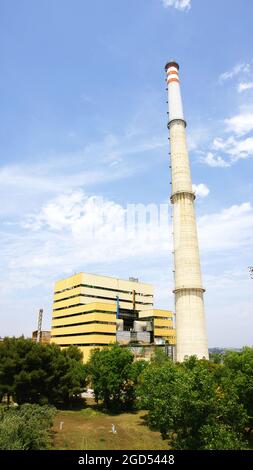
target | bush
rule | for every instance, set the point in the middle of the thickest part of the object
(26, 428)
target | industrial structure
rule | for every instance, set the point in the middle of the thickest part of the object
(45, 336)
(39, 336)
(191, 338)
(94, 311)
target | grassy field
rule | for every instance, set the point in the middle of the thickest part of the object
(91, 429)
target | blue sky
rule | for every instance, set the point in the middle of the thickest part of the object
(83, 120)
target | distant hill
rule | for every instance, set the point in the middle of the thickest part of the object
(222, 350)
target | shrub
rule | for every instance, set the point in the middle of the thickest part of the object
(26, 428)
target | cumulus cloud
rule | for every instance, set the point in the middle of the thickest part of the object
(225, 151)
(233, 148)
(106, 228)
(182, 5)
(238, 68)
(236, 149)
(77, 229)
(244, 86)
(201, 190)
(240, 124)
(211, 160)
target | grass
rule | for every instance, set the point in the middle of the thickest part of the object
(90, 429)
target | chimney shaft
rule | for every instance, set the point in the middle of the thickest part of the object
(175, 100)
(189, 304)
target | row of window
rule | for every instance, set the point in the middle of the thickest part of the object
(103, 288)
(83, 313)
(99, 297)
(83, 334)
(85, 323)
(156, 318)
(163, 318)
(164, 327)
(95, 297)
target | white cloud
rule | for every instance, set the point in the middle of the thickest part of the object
(244, 86)
(211, 160)
(62, 242)
(238, 68)
(113, 158)
(97, 229)
(240, 124)
(201, 190)
(236, 149)
(60, 213)
(77, 229)
(178, 4)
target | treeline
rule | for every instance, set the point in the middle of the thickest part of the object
(197, 404)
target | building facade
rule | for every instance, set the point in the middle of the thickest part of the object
(94, 311)
(44, 338)
(162, 325)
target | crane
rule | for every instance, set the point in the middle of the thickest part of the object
(39, 325)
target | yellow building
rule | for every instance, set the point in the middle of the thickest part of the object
(90, 310)
(163, 326)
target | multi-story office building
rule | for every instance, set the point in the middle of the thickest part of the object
(93, 311)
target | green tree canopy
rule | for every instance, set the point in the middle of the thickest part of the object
(187, 404)
(37, 373)
(112, 376)
(239, 370)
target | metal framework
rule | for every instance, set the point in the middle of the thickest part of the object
(39, 325)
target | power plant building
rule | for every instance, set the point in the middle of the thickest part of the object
(95, 311)
(189, 303)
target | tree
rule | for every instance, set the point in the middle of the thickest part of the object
(10, 364)
(69, 377)
(159, 357)
(110, 370)
(239, 371)
(216, 358)
(157, 389)
(137, 368)
(37, 373)
(187, 404)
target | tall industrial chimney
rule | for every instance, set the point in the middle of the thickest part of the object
(189, 304)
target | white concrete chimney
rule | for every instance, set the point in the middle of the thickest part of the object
(189, 304)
